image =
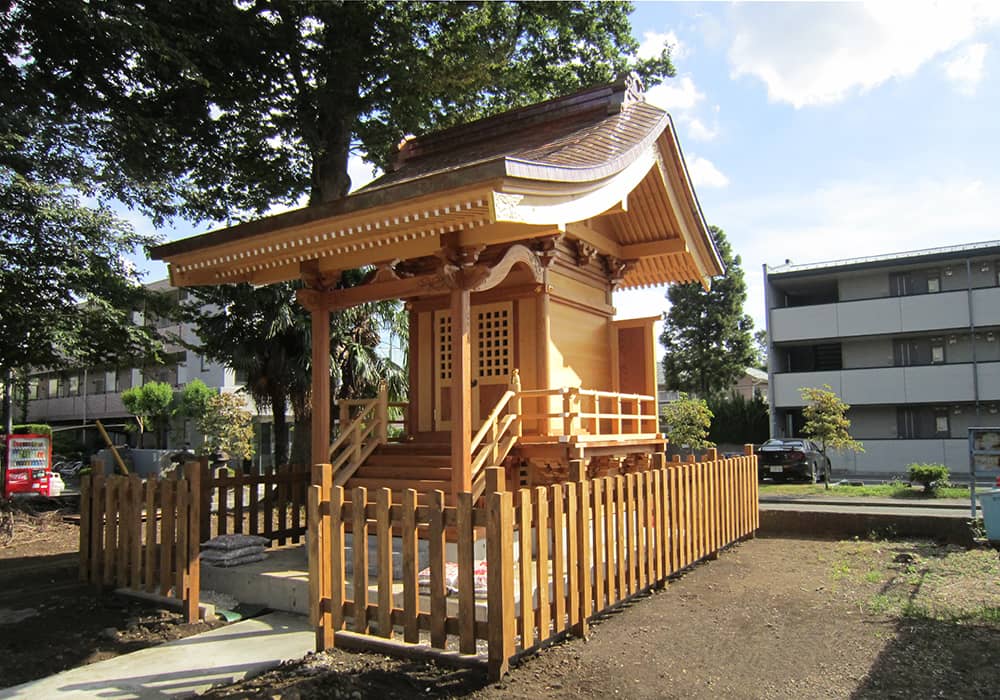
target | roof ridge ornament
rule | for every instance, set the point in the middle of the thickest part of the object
(635, 91)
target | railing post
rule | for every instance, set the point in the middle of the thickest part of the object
(356, 444)
(571, 413)
(343, 417)
(515, 403)
(496, 479)
(383, 413)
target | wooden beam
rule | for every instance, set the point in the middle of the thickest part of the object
(320, 317)
(489, 277)
(670, 246)
(591, 236)
(436, 283)
(461, 391)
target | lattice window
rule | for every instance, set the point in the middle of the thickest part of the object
(493, 329)
(444, 346)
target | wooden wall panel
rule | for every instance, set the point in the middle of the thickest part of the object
(527, 339)
(578, 355)
(423, 360)
(632, 360)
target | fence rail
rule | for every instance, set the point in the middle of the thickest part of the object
(143, 535)
(555, 555)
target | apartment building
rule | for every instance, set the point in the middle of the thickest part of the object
(911, 341)
(64, 398)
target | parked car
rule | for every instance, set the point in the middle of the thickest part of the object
(786, 458)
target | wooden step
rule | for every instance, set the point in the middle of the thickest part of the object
(407, 460)
(397, 498)
(370, 471)
(415, 448)
(419, 485)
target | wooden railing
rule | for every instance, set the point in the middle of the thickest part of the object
(497, 436)
(556, 555)
(143, 535)
(587, 412)
(360, 433)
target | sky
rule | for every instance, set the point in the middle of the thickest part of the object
(823, 131)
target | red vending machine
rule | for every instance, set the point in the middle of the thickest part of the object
(29, 465)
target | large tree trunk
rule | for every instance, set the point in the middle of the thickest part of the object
(301, 444)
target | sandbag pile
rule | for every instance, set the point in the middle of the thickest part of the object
(233, 550)
(451, 579)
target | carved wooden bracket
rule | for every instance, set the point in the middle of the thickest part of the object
(545, 248)
(313, 278)
(617, 269)
(584, 253)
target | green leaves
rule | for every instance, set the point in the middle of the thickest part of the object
(826, 419)
(706, 334)
(227, 426)
(688, 421)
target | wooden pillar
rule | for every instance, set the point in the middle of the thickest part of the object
(461, 392)
(543, 339)
(320, 316)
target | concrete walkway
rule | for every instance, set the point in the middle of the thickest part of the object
(185, 666)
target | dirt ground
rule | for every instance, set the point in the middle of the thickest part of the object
(771, 618)
(49, 621)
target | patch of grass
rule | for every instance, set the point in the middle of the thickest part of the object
(873, 577)
(896, 489)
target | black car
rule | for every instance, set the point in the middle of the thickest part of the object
(786, 458)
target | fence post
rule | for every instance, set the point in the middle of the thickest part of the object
(192, 562)
(578, 477)
(205, 499)
(496, 479)
(85, 526)
(754, 497)
(318, 521)
(500, 581)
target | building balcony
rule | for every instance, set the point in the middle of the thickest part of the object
(946, 383)
(906, 314)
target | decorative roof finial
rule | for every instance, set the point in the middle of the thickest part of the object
(634, 89)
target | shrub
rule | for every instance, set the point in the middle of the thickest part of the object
(688, 421)
(930, 475)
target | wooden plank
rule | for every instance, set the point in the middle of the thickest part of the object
(411, 598)
(500, 583)
(439, 602)
(525, 568)
(675, 523)
(270, 494)
(659, 524)
(85, 528)
(652, 532)
(124, 533)
(620, 536)
(98, 505)
(193, 564)
(222, 519)
(558, 557)
(598, 547)
(314, 551)
(607, 485)
(542, 561)
(110, 529)
(383, 533)
(631, 547)
(298, 490)
(167, 487)
(585, 556)
(135, 527)
(149, 568)
(640, 530)
(466, 576)
(689, 537)
(238, 511)
(253, 505)
(359, 547)
(337, 554)
(282, 504)
(572, 568)
(180, 552)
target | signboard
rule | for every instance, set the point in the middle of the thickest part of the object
(984, 458)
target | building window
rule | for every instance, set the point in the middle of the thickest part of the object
(941, 424)
(204, 363)
(937, 353)
(33, 389)
(921, 422)
(933, 284)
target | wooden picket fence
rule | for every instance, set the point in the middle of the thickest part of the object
(556, 555)
(269, 504)
(143, 535)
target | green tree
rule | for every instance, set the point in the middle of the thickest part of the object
(227, 426)
(687, 422)
(826, 419)
(706, 334)
(152, 405)
(190, 402)
(739, 420)
(760, 342)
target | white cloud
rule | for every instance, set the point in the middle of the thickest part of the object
(855, 219)
(820, 53)
(361, 172)
(965, 69)
(704, 173)
(652, 45)
(698, 131)
(673, 95)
